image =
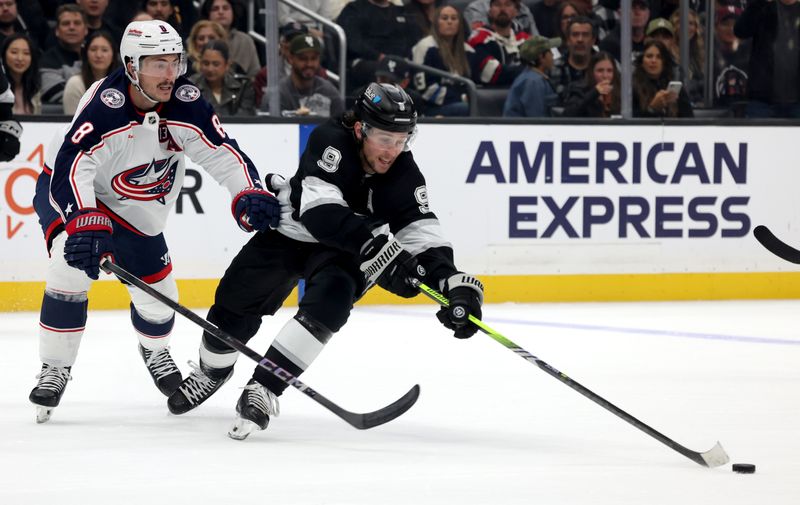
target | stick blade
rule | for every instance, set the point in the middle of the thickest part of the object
(716, 456)
(388, 413)
(775, 245)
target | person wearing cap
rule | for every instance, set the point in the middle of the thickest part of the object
(662, 30)
(446, 49)
(731, 57)
(303, 92)
(531, 94)
(640, 14)
(774, 70)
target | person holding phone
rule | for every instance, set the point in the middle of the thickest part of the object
(655, 94)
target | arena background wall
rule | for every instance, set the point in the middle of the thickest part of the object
(542, 212)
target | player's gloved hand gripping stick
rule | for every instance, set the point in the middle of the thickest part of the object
(356, 420)
(716, 456)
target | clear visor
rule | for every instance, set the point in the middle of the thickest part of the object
(166, 67)
(388, 140)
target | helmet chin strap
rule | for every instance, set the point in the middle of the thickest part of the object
(140, 90)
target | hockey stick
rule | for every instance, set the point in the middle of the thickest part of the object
(716, 456)
(356, 420)
(775, 245)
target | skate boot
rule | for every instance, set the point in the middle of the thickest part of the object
(162, 369)
(49, 389)
(255, 406)
(197, 388)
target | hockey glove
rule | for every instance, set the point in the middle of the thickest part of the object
(466, 297)
(256, 210)
(384, 261)
(89, 241)
(10, 132)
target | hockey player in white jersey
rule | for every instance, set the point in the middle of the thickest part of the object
(109, 188)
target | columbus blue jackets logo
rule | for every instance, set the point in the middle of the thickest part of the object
(113, 98)
(151, 181)
(187, 93)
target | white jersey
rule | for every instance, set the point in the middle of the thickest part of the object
(130, 163)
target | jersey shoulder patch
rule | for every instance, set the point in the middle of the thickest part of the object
(187, 93)
(112, 98)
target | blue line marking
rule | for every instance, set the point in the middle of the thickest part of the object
(615, 329)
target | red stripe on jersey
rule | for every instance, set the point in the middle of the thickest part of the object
(212, 146)
(158, 276)
(117, 219)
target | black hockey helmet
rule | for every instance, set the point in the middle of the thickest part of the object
(387, 107)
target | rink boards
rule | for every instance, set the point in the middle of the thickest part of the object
(541, 212)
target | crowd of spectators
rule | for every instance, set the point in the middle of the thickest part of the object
(544, 57)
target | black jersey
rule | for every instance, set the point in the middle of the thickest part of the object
(334, 202)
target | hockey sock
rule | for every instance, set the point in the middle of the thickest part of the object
(152, 336)
(62, 320)
(294, 349)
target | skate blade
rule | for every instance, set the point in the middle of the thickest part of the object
(43, 414)
(242, 428)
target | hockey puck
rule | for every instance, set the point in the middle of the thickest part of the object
(744, 468)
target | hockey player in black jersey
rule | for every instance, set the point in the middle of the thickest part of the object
(355, 214)
(107, 188)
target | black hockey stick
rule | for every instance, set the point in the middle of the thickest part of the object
(715, 456)
(775, 245)
(360, 421)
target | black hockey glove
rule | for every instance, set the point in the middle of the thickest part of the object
(466, 297)
(10, 132)
(384, 261)
(256, 210)
(89, 241)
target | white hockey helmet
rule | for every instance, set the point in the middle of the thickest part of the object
(148, 38)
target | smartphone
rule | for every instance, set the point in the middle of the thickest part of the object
(674, 87)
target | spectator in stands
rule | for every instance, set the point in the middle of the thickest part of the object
(697, 54)
(99, 57)
(374, 29)
(303, 92)
(774, 72)
(545, 14)
(63, 60)
(202, 33)
(567, 10)
(423, 15)
(242, 47)
(571, 65)
(21, 61)
(731, 57)
(598, 95)
(164, 10)
(663, 31)
(654, 70)
(477, 14)
(95, 12)
(231, 94)
(497, 61)
(445, 49)
(640, 14)
(12, 21)
(325, 8)
(532, 95)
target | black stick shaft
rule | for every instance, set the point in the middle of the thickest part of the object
(710, 458)
(360, 421)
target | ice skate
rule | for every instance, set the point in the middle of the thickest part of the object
(48, 391)
(254, 408)
(162, 369)
(197, 388)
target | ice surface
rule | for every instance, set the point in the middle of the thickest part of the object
(489, 428)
